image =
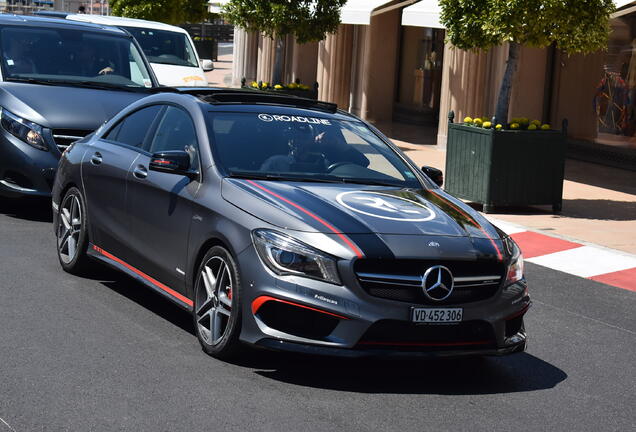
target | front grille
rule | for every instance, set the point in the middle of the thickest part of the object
(393, 334)
(65, 137)
(401, 280)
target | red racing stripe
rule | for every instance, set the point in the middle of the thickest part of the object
(423, 344)
(339, 233)
(474, 223)
(260, 301)
(145, 276)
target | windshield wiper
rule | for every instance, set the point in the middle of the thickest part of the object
(277, 177)
(34, 81)
(105, 86)
(370, 182)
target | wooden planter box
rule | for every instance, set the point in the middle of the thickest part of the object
(505, 168)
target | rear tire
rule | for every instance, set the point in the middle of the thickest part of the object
(72, 233)
(217, 304)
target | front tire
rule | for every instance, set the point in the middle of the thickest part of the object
(217, 304)
(72, 233)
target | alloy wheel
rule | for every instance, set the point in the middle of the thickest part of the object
(69, 228)
(214, 300)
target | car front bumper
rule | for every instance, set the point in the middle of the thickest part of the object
(303, 315)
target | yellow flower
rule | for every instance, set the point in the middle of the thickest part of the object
(514, 126)
(499, 127)
(524, 120)
(303, 87)
(293, 85)
(545, 127)
(477, 122)
(536, 123)
(468, 120)
(254, 84)
(487, 125)
(532, 127)
(278, 86)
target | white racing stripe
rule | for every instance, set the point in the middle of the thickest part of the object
(586, 261)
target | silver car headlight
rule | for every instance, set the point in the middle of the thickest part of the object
(515, 268)
(285, 255)
(24, 130)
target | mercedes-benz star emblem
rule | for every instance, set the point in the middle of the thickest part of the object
(437, 283)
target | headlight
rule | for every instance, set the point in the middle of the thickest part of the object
(22, 129)
(515, 268)
(285, 255)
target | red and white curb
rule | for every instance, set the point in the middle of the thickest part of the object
(589, 261)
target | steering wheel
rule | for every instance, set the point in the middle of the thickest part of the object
(333, 166)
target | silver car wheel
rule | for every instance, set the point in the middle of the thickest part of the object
(69, 228)
(214, 300)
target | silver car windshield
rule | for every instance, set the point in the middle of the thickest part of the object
(54, 55)
(302, 148)
(165, 47)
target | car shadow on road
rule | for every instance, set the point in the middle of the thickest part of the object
(32, 209)
(489, 375)
(143, 296)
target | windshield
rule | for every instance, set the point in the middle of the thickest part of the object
(290, 147)
(55, 55)
(166, 47)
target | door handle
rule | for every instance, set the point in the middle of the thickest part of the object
(140, 172)
(96, 159)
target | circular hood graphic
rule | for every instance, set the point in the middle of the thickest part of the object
(385, 206)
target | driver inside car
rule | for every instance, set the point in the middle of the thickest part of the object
(89, 64)
(304, 154)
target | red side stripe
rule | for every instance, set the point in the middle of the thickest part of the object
(145, 276)
(260, 301)
(423, 344)
(474, 223)
(339, 233)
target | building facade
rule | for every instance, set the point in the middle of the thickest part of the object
(388, 62)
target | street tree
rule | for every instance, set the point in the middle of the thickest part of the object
(168, 11)
(306, 20)
(574, 26)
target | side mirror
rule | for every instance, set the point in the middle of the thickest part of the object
(172, 162)
(207, 65)
(434, 174)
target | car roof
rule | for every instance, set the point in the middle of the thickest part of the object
(44, 22)
(221, 96)
(126, 22)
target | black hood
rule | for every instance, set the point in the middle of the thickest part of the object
(65, 107)
(377, 220)
(355, 209)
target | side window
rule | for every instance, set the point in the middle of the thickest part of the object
(132, 130)
(176, 132)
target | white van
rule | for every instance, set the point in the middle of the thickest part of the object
(169, 49)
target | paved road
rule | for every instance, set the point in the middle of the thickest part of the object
(108, 355)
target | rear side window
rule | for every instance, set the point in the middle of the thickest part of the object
(133, 129)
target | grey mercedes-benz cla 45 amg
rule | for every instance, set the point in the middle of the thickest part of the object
(287, 224)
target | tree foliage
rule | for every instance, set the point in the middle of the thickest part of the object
(575, 26)
(167, 11)
(306, 20)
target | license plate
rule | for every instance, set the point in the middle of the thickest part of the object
(437, 315)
